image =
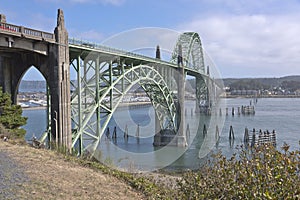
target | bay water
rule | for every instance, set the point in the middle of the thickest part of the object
(279, 114)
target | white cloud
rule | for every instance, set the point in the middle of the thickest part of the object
(256, 45)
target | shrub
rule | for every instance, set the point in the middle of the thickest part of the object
(11, 116)
(260, 173)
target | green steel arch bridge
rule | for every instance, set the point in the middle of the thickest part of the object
(79, 111)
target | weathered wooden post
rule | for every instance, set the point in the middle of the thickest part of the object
(137, 134)
(253, 138)
(231, 133)
(246, 136)
(107, 133)
(188, 133)
(217, 134)
(204, 130)
(114, 135)
(126, 132)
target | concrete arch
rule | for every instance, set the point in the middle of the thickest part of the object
(26, 71)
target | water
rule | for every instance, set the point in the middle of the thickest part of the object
(36, 122)
(280, 114)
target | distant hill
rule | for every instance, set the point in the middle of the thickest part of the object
(32, 86)
(273, 82)
(40, 86)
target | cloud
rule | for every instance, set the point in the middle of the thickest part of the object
(254, 45)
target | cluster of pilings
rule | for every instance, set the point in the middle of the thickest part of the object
(217, 133)
(114, 135)
(259, 137)
(241, 110)
(256, 138)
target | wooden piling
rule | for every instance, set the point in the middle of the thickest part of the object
(107, 133)
(273, 138)
(204, 130)
(126, 132)
(115, 133)
(253, 138)
(226, 111)
(138, 131)
(232, 111)
(246, 136)
(231, 133)
(220, 112)
(188, 133)
(217, 134)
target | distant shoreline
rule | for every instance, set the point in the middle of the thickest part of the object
(139, 104)
(35, 108)
(261, 97)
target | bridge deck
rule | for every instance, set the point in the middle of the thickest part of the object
(80, 46)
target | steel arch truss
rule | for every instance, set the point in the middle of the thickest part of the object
(102, 82)
(192, 52)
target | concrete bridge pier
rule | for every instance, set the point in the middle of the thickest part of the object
(59, 84)
(180, 137)
(18, 53)
(173, 137)
(198, 94)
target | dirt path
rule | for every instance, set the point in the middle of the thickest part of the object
(29, 173)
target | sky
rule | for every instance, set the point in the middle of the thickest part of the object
(244, 38)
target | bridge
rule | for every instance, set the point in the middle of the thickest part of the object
(79, 110)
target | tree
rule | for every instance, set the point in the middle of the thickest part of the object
(11, 115)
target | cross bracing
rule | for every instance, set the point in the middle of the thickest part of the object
(102, 82)
(105, 75)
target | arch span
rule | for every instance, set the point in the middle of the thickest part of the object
(192, 51)
(193, 58)
(96, 97)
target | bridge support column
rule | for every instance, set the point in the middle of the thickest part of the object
(180, 137)
(5, 75)
(198, 94)
(157, 122)
(60, 84)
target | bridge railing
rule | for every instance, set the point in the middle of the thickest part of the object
(10, 27)
(36, 34)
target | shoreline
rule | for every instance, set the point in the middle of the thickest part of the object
(260, 97)
(34, 108)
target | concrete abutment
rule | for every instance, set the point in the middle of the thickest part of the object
(51, 58)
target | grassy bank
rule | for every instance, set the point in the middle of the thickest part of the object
(260, 173)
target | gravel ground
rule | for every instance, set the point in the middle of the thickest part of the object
(11, 175)
(28, 173)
